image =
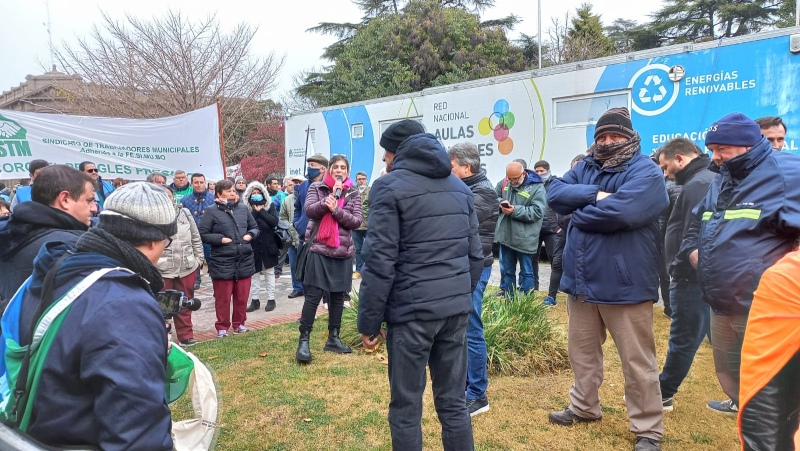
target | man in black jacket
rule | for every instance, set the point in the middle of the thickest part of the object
(63, 203)
(683, 162)
(422, 262)
(466, 163)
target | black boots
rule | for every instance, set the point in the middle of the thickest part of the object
(270, 305)
(334, 344)
(255, 304)
(303, 354)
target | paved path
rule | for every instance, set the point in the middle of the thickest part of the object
(288, 310)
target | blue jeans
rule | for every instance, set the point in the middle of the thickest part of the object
(477, 379)
(358, 242)
(296, 285)
(691, 319)
(442, 346)
(508, 267)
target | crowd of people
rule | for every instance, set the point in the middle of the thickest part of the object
(422, 238)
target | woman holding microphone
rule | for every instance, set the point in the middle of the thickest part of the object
(333, 207)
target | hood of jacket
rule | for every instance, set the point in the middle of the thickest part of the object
(475, 179)
(29, 221)
(692, 168)
(532, 178)
(249, 192)
(423, 154)
(741, 166)
(78, 264)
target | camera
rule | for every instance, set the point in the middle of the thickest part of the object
(172, 301)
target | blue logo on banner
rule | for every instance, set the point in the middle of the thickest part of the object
(652, 92)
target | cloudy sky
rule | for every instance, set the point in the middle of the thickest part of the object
(281, 25)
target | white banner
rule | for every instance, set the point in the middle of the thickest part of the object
(127, 148)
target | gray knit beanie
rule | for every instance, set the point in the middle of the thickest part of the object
(139, 211)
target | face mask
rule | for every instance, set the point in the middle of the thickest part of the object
(231, 203)
(546, 176)
(361, 189)
(257, 199)
(313, 173)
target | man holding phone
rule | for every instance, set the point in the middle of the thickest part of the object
(522, 207)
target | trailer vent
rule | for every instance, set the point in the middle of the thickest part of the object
(794, 43)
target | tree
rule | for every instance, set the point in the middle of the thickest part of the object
(427, 44)
(586, 36)
(786, 14)
(620, 33)
(577, 38)
(703, 20)
(167, 66)
(267, 158)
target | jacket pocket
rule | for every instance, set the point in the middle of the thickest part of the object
(622, 270)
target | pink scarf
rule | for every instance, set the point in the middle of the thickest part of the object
(328, 228)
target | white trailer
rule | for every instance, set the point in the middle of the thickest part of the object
(550, 113)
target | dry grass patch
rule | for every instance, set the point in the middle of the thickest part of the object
(341, 401)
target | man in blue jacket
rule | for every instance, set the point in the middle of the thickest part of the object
(748, 220)
(24, 192)
(317, 165)
(422, 262)
(103, 381)
(197, 203)
(102, 188)
(615, 197)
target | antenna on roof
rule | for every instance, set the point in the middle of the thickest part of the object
(50, 36)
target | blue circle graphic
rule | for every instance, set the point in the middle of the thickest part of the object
(501, 107)
(652, 89)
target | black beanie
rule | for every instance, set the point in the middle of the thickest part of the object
(615, 120)
(399, 132)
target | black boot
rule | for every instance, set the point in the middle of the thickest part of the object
(334, 344)
(255, 304)
(270, 305)
(303, 354)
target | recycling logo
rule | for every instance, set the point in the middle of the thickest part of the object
(652, 91)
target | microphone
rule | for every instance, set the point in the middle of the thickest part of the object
(338, 193)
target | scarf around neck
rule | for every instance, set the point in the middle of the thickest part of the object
(101, 242)
(615, 154)
(328, 228)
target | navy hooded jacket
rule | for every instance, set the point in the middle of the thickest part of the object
(103, 381)
(422, 253)
(748, 220)
(611, 250)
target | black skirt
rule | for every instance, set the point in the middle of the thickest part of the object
(329, 274)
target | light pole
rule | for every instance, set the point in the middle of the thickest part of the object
(539, 33)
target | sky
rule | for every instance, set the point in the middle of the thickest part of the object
(281, 27)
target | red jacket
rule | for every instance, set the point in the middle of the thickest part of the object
(348, 217)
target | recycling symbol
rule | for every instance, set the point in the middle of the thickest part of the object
(652, 91)
(652, 81)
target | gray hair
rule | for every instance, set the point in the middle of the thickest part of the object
(151, 177)
(466, 154)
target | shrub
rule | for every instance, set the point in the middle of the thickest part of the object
(521, 339)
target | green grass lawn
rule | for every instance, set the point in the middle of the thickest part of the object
(341, 401)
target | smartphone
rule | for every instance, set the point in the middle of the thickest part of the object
(505, 204)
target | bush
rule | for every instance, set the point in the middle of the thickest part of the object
(521, 339)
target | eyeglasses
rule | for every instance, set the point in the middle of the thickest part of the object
(92, 170)
(169, 242)
(520, 179)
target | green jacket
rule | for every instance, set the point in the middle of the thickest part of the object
(520, 229)
(364, 209)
